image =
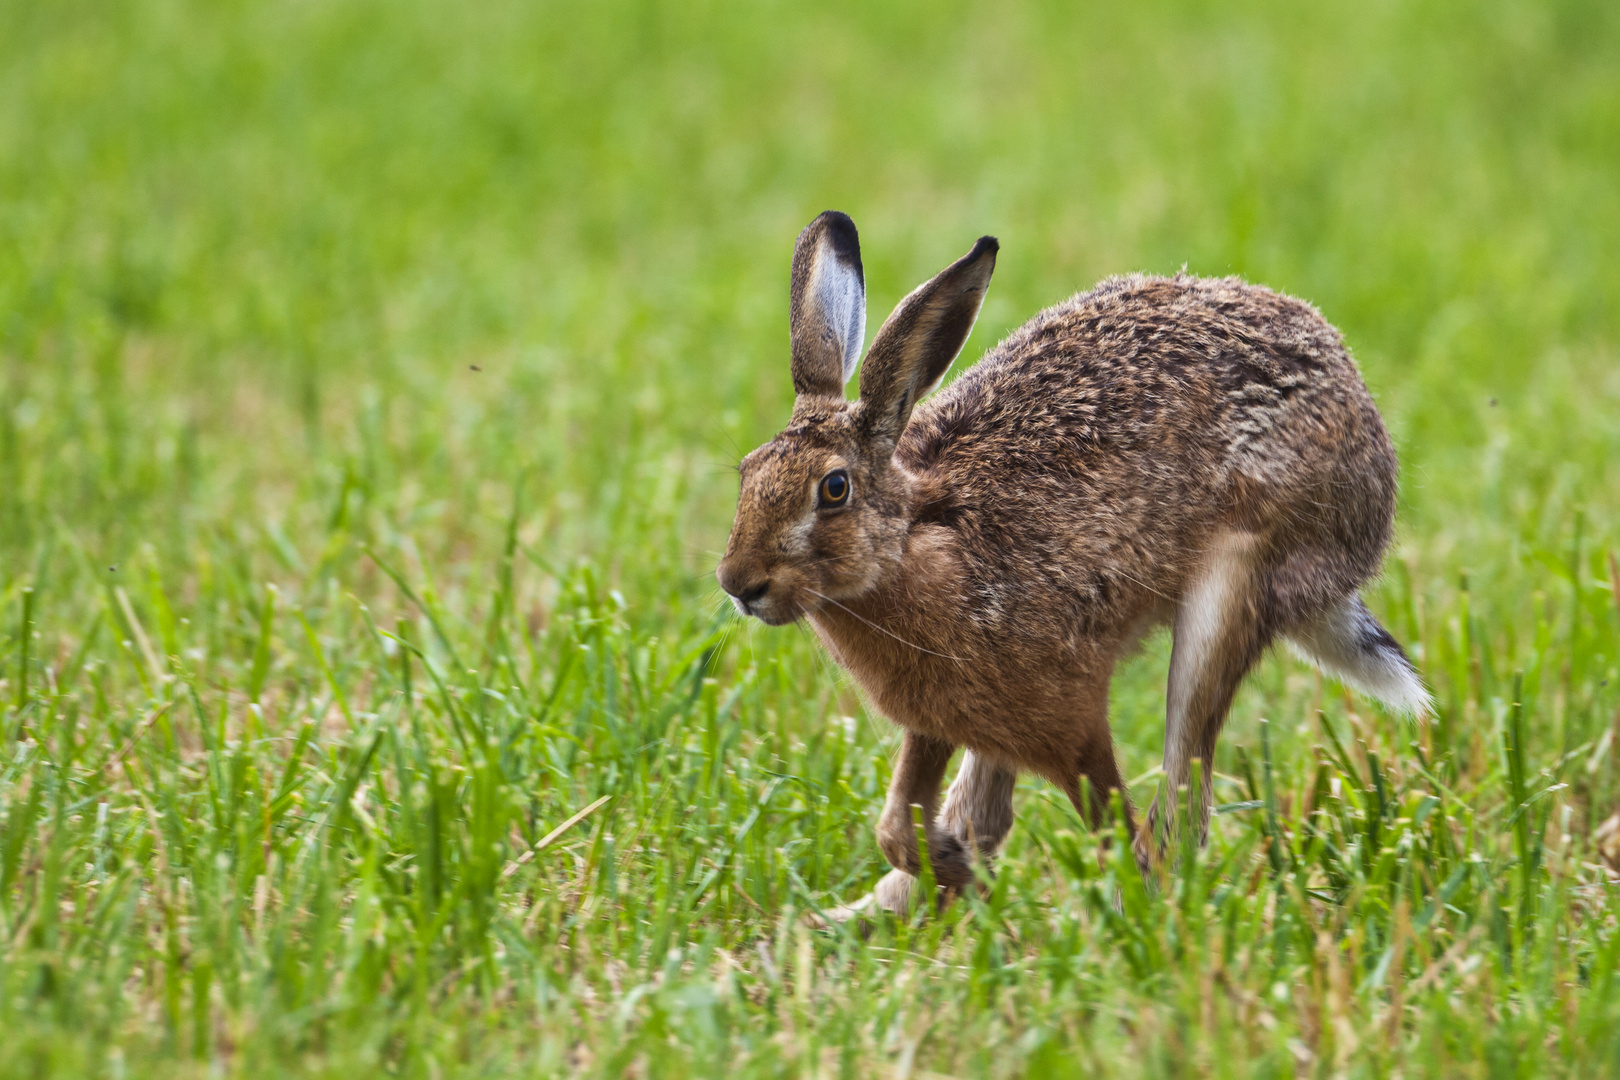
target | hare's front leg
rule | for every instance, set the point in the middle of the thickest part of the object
(978, 813)
(917, 774)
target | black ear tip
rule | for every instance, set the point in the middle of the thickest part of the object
(839, 229)
(987, 245)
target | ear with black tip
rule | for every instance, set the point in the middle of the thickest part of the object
(826, 305)
(915, 346)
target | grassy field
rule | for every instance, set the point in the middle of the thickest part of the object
(370, 381)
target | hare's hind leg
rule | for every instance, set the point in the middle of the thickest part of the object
(1219, 633)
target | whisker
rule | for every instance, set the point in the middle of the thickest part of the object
(732, 446)
(890, 633)
(824, 663)
(1145, 585)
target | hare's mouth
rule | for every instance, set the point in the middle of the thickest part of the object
(770, 612)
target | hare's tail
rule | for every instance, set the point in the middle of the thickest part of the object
(1348, 643)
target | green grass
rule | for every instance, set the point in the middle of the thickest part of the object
(370, 378)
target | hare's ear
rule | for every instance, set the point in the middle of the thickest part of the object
(827, 305)
(916, 344)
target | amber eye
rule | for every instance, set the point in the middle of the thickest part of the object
(835, 488)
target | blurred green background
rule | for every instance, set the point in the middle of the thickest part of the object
(497, 292)
(246, 245)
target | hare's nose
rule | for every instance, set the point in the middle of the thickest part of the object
(749, 595)
(738, 586)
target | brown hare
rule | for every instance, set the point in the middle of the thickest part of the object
(1185, 451)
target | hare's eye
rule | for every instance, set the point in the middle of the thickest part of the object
(835, 488)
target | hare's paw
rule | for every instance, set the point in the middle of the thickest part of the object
(898, 842)
(950, 858)
(893, 893)
(953, 865)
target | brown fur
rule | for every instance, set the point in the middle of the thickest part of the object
(1184, 450)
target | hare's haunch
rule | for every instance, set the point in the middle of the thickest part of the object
(1185, 451)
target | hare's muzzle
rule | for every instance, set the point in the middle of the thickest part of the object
(745, 591)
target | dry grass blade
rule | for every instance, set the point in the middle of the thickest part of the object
(553, 836)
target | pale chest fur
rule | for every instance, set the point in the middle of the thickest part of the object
(916, 648)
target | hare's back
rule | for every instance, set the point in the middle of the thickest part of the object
(1128, 421)
(1234, 380)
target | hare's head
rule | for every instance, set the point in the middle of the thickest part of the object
(824, 512)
